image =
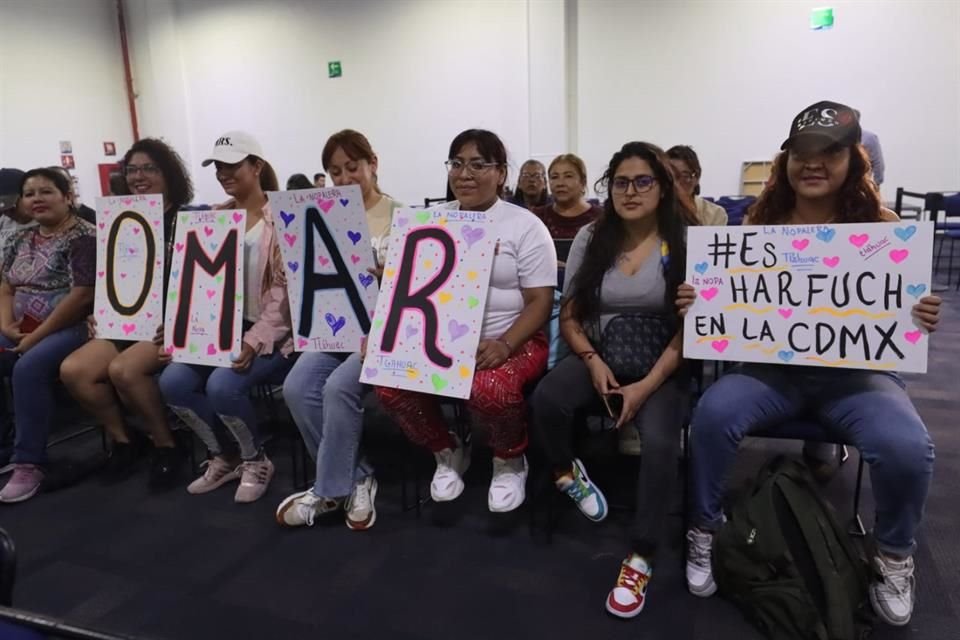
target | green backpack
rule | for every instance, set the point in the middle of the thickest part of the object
(786, 563)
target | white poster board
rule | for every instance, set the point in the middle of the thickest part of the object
(814, 295)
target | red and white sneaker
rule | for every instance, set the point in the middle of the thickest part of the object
(626, 600)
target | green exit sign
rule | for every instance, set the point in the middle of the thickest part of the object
(821, 19)
(334, 70)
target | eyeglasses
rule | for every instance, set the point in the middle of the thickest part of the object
(531, 176)
(473, 166)
(686, 176)
(641, 184)
(146, 169)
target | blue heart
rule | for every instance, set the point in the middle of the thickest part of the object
(916, 290)
(354, 236)
(701, 267)
(287, 218)
(335, 323)
(826, 235)
(366, 280)
(786, 356)
(905, 233)
(293, 266)
(175, 274)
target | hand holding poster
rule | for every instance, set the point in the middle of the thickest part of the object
(326, 249)
(204, 318)
(430, 311)
(128, 303)
(816, 295)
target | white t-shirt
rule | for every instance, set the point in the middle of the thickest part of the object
(525, 259)
(251, 270)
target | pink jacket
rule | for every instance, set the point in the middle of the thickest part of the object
(274, 328)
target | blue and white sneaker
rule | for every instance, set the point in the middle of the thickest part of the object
(590, 500)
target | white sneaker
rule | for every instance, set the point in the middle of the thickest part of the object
(302, 508)
(629, 442)
(699, 568)
(891, 593)
(361, 505)
(447, 483)
(508, 486)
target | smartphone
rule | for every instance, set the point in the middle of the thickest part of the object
(614, 403)
(28, 323)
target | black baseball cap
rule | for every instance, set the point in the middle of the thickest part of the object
(9, 187)
(829, 122)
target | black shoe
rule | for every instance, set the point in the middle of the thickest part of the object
(166, 465)
(121, 463)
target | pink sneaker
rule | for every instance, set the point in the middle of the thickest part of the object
(23, 484)
(254, 480)
(218, 473)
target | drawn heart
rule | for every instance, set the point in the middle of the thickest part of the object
(221, 220)
(457, 330)
(208, 231)
(701, 267)
(219, 279)
(335, 323)
(128, 201)
(826, 235)
(471, 235)
(464, 371)
(411, 331)
(471, 275)
(354, 236)
(156, 223)
(123, 276)
(832, 261)
(184, 217)
(402, 222)
(101, 225)
(720, 345)
(916, 290)
(211, 349)
(422, 217)
(905, 233)
(239, 297)
(913, 336)
(325, 205)
(899, 255)
(366, 279)
(709, 294)
(172, 295)
(377, 324)
(237, 216)
(445, 297)
(194, 348)
(785, 313)
(290, 238)
(153, 203)
(100, 274)
(324, 261)
(389, 272)
(106, 212)
(211, 293)
(175, 274)
(785, 355)
(354, 258)
(149, 315)
(371, 372)
(293, 266)
(472, 302)
(287, 218)
(169, 349)
(800, 245)
(110, 324)
(442, 222)
(412, 373)
(136, 231)
(301, 343)
(439, 383)
(344, 202)
(129, 328)
(132, 250)
(102, 311)
(154, 295)
(859, 240)
(180, 246)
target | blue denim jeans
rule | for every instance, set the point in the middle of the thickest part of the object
(870, 409)
(325, 398)
(33, 375)
(200, 394)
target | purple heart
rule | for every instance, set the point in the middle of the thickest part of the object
(457, 330)
(471, 235)
(287, 218)
(371, 372)
(335, 323)
(366, 280)
(344, 202)
(354, 236)
(293, 266)
(412, 331)
(402, 222)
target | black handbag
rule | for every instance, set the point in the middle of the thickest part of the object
(631, 344)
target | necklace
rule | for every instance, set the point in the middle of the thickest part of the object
(63, 226)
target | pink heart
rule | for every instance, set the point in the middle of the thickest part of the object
(211, 293)
(132, 250)
(720, 345)
(301, 343)
(128, 201)
(153, 203)
(156, 223)
(710, 293)
(102, 225)
(155, 295)
(899, 255)
(800, 245)
(179, 247)
(237, 217)
(100, 274)
(123, 275)
(136, 231)
(102, 311)
(149, 315)
(323, 261)
(785, 313)
(832, 262)
(290, 238)
(208, 231)
(913, 336)
(859, 240)
(129, 328)
(355, 258)
(110, 324)
(211, 350)
(326, 205)
(169, 349)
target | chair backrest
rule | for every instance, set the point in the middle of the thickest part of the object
(8, 568)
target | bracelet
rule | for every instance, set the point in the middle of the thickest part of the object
(586, 355)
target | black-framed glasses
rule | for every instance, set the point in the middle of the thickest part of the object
(146, 169)
(473, 166)
(641, 184)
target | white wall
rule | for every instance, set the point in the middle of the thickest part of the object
(61, 78)
(728, 77)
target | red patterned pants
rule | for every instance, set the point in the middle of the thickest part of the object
(496, 404)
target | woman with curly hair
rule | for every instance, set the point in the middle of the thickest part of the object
(822, 177)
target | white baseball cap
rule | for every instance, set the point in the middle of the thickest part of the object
(233, 147)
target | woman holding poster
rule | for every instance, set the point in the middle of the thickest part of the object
(512, 352)
(822, 177)
(46, 291)
(108, 377)
(322, 390)
(202, 396)
(624, 268)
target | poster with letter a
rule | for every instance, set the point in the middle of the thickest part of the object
(816, 295)
(427, 324)
(130, 255)
(327, 255)
(204, 317)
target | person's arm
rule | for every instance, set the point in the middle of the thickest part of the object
(8, 327)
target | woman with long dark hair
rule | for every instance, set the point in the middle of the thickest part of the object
(822, 177)
(627, 263)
